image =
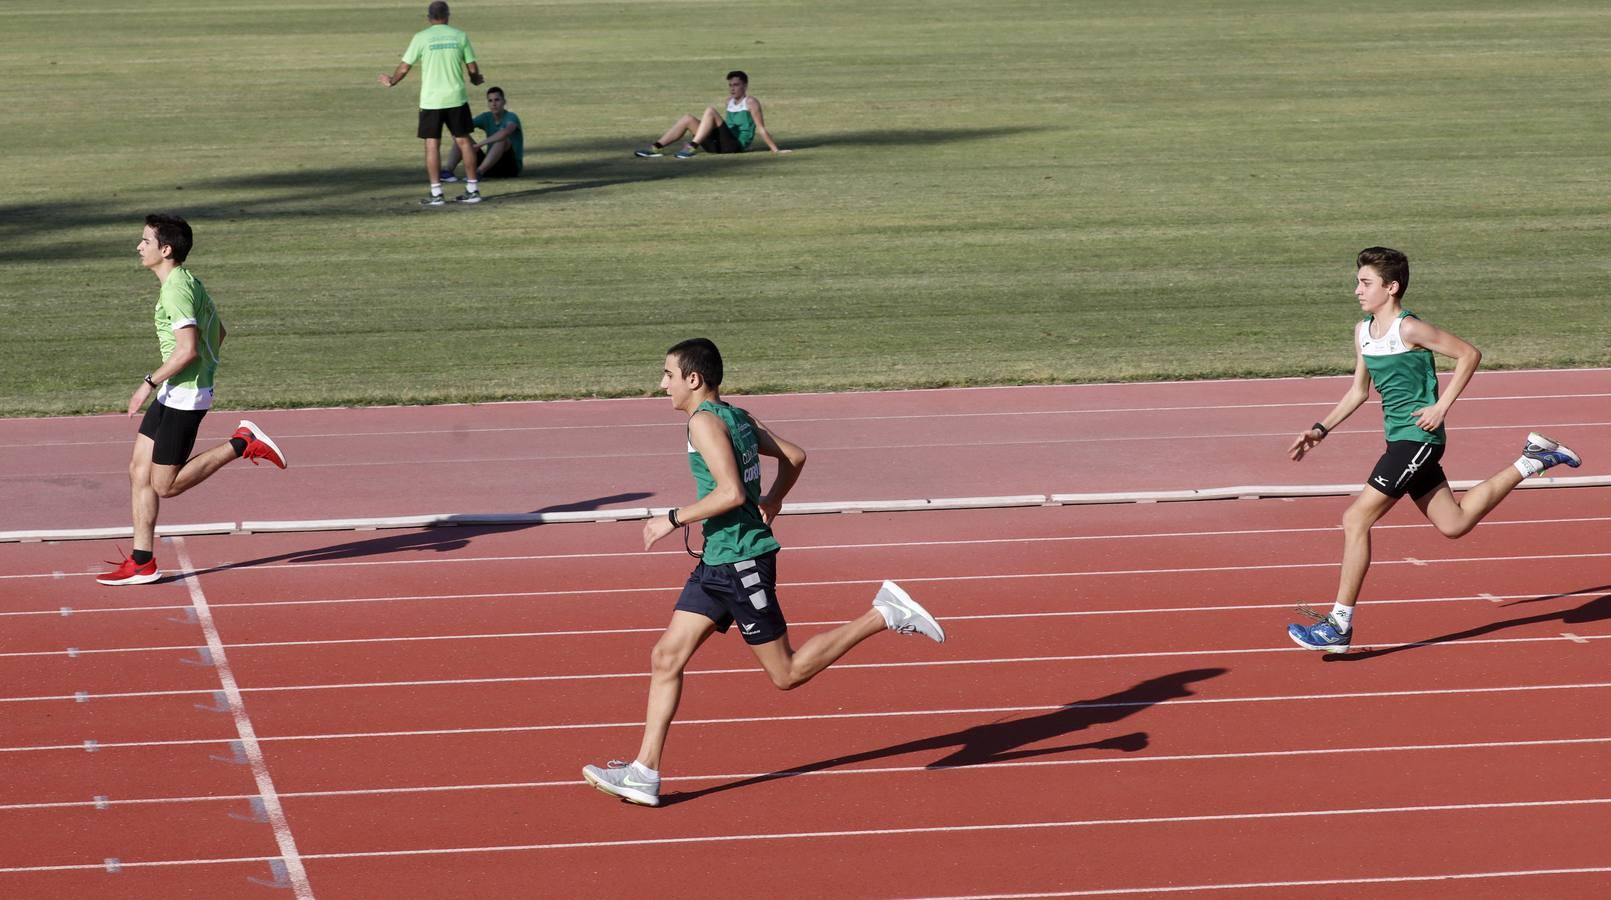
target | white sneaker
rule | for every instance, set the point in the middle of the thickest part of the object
(619, 779)
(904, 615)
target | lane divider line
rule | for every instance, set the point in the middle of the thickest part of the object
(1250, 885)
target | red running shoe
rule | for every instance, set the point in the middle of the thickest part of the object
(131, 572)
(258, 445)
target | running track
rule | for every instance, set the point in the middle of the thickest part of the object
(403, 714)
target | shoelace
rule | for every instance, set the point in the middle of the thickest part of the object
(126, 558)
(1307, 610)
(616, 764)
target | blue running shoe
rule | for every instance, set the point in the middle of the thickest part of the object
(686, 152)
(1322, 635)
(1548, 453)
(649, 152)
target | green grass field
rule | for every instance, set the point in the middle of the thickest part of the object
(984, 192)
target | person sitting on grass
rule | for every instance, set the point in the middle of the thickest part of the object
(712, 133)
(503, 153)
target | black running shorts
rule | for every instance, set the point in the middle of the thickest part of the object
(721, 140)
(745, 591)
(1408, 467)
(173, 431)
(457, 120)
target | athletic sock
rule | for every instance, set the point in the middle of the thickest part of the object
(471, 185)
(436, 189)
(141, 557)
(658, 146)
(1528, 467)
(239, 446)
(1343, 616)
(645, 772)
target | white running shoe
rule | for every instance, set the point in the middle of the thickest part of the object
(619, 779)
(904, 615)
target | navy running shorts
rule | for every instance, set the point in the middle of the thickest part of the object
(745, 591)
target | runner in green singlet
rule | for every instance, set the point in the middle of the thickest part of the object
(1393, 351)
(736, 578)
(717, 131)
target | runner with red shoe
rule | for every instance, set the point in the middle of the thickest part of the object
(189, 335)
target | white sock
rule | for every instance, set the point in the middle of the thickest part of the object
(470, 185)
(887, 613)
(436, 189)
(1528, 467)
(1343, 616)
(644, 771)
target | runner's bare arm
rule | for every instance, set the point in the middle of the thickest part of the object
(398, 75)
(184, 353)
(709, 437)
(791, 459)
(1417, 333)
(760, 124)
(476, 78)
(1358, 393)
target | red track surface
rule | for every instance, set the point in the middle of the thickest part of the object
(1117, 708)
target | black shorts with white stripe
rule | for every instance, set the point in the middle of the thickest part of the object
(745, 591)
(1408, 467)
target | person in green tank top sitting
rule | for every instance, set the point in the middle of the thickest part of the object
(1393, 351)
(714, 133)
(736, 578)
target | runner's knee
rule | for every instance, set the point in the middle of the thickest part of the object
(667, 659)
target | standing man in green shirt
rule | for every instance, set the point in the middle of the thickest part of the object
(503, 153)
(444, 53)
(736, 578)
(189, 336)
(1393, 351)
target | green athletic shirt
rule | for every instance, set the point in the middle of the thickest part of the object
(517, 138)
(441, 52)
(737, 534)
(1406, 379)
(740, 122)
(184, 302)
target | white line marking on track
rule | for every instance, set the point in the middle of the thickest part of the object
(83, 696)
(103, 802)
(820, 717)
(1574, 638)
(1249, 885)
(248, 735)
(863, 832)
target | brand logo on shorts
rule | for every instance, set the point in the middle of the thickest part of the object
(1380, 480)
(748, 628)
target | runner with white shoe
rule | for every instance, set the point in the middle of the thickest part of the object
(190, 336)
(736, 577)
(1393, 350)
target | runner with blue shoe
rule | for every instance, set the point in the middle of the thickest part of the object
(1393, 351)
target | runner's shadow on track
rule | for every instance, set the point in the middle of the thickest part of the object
(435, 540)
(1597, 609)
(1008, 740)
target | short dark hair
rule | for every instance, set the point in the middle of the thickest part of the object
(699, 355)
(498, 91)
(437, 11)
(172, 232)
(739, 74)
(1390, 264)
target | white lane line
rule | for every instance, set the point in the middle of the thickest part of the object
(820, 717)
(1488, 524)
(453, 432)
(104, 802)
(1250, 885)
(248, 735)
(76, 652)
(861, 833)
(85, 696)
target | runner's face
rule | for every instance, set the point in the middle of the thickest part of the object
(150, 252)
(674, 383)
(1372, 293)
(495, 103)
(735, 88)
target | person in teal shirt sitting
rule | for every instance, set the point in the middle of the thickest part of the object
(502, 153)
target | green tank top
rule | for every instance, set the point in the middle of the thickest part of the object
(737, 534)
(740, 122)
(1406, 379)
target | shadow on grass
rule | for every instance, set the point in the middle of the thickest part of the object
(44, 230)
(1009, 740)
(1597, 609)
(431, 540)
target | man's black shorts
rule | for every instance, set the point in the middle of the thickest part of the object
(721, 140)
(506, 166)
(746, 591)
(173, 431)
(1408, 467)
(457, 120)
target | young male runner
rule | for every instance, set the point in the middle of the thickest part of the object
(445, 54)
(736, 576)
(189, 336)
(714, 133)
(1393, 351)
